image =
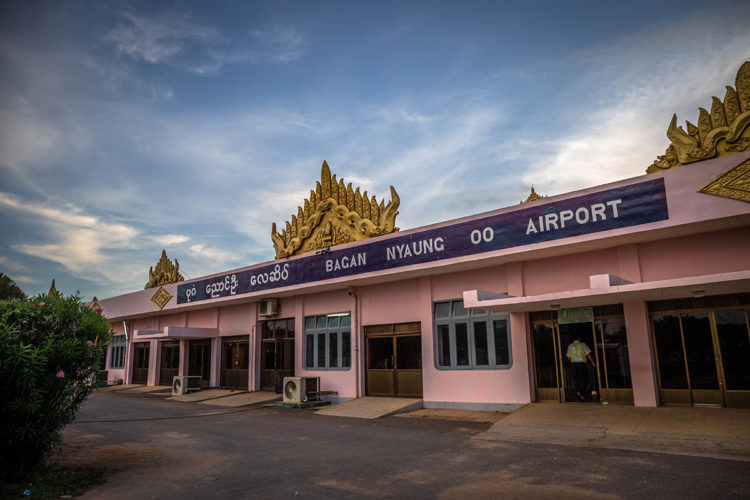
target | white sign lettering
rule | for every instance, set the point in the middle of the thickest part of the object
(583, 215)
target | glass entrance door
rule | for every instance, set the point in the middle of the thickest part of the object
(558, 379)
(277, 353)
(703, 357)
(234, 362)
(394, 360)
(199, 363)
(170, 361)
(140, 362)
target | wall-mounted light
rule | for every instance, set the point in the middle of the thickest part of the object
(554, 306)
(698, 293)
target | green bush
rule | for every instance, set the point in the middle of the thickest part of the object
(50, 348)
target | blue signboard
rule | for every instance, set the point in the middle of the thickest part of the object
(591, 213)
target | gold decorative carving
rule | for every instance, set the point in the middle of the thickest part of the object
(161, 297)
(53, 290)
(95, 305)
(533, 196)
(165, 272)
(724, 130)
(335, 213)
(734, 184)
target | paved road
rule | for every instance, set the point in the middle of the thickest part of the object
(154, 448)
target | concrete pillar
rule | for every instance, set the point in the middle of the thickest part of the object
(215, 372)
(642, 367)
(520, 330)
(182, 370)
(154, 357)
(429, 389)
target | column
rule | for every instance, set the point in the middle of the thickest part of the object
(642, 368)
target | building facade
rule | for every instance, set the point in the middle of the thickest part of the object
(634, 292)
(651, 273)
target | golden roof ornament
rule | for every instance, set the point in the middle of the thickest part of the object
(722, 131)
(533, 196)
(53, 290)
(335, 213)
(165, 272)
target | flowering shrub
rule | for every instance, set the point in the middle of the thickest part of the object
(50, 348)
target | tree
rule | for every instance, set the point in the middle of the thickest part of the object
(50, 348)
(9, 289)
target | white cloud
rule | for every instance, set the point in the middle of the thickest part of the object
(278, 44)
(620, 127)
(78, 242)
(214, 256)
(159, 39)
(170, 239)
(11, 265)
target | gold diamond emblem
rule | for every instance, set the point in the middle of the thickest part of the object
(734, 184)
(161, 297)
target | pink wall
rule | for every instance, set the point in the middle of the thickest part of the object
(708, 253)
(568, 272)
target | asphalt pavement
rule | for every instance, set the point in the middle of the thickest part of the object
(154, 448)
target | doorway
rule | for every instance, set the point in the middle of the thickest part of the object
(558, 379)
(170, 361)
(394, 360)
(276, 354)
(141, 351)
(199, 361)
(234, 362)
(703, 357)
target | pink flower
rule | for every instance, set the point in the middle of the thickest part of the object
(60, 374)
(98, 310)
(89, 343)
(41, 303)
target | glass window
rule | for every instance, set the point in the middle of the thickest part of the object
(502, 341)
(443, 310)
(321, 350)
(480, 340)
(613, 352)
(459, 311)
(731, 328)
(117, 352)
(481, 354)
(462, 344)
(346, 350)
(409, 352)
(328, 342)
(444, 345)
(669, 351)
(309, 351)
(333, 349)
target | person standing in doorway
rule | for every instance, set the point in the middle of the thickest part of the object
(578, 352)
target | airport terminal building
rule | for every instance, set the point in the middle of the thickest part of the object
(634, 292)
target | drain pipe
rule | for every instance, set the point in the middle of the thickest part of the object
(355, 344)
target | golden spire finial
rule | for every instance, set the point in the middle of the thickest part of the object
(334, 213)
(533, 196)
(722, 131)
(53, 290)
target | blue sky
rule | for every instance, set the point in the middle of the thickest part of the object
(128, 127)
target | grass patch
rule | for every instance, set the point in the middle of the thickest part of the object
(54, 482)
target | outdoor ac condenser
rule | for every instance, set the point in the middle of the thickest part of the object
(185, 384)
(295, 390)
(268, 307)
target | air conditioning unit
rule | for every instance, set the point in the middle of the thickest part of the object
(268, 307)
(295, 390)
(185, 384)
